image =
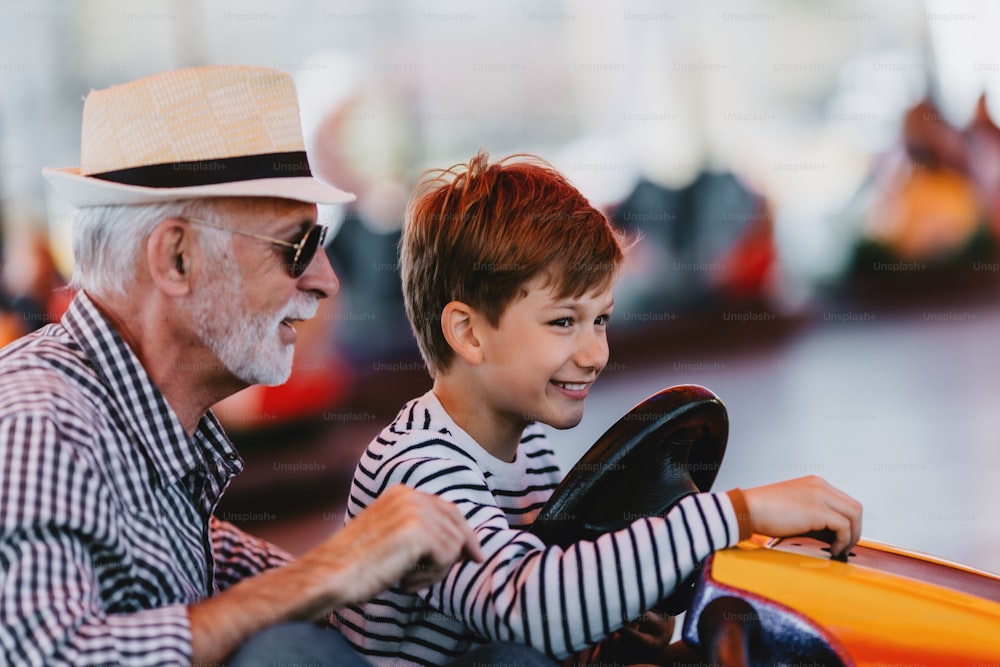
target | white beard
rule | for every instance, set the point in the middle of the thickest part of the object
(247, 344)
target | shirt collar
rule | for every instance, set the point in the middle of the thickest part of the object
(440, 419)
(142, 407)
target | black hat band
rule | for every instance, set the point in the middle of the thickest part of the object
(292, 164)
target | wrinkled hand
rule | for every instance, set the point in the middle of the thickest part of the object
(405, 537)
(805, 504)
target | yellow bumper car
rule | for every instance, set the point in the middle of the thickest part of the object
(773, 601)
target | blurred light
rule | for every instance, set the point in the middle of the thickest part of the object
(602, 168)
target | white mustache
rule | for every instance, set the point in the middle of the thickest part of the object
(302, 309)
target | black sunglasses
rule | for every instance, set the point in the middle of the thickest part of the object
(297, 255)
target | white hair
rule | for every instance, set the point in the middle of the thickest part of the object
(109, 240)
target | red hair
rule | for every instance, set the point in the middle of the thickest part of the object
(477, 233)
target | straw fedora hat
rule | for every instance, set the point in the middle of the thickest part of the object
(214, 131)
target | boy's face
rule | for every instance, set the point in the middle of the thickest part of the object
(545, 353)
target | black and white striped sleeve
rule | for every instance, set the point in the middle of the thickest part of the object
(561, 600)
(55, 549)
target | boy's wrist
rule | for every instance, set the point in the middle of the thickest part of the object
(742, 511)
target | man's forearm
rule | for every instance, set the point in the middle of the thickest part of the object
(222, 623)
(405, 537)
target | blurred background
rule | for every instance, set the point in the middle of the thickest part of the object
(817, 186)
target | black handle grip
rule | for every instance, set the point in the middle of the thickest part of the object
(827, 536)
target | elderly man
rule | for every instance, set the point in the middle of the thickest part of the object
(196, 255)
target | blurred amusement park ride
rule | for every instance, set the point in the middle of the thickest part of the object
(930, 209)
(926, 218)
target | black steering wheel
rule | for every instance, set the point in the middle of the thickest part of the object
(668, 446)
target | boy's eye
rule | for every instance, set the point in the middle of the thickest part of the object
(603, 320)
(562, 322)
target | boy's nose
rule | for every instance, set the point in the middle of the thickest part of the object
(593, 353)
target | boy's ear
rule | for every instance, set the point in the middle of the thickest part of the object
(170, 251)
(458, 323)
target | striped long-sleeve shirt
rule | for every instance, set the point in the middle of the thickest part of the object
(556, 600)
(106, 525)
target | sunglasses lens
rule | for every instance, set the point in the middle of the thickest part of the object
(305, 250)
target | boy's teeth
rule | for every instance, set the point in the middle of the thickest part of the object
(573, 386)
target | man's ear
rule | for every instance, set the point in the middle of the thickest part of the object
(459, 323)
(171, 252)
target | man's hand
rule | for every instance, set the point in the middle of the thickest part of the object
(405, 536)
(802, 505)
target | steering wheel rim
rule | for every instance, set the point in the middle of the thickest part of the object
(668, 446)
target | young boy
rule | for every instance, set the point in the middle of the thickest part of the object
(507, 275)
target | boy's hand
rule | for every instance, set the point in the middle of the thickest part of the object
(801, 505)
(645, 639)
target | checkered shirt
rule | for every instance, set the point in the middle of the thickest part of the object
(106, 525)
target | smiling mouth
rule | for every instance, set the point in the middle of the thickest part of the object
(572, 386)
